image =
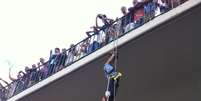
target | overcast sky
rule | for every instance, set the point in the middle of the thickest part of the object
(30, 28)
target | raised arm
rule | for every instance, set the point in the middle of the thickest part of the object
(110, 59)
(11, 78)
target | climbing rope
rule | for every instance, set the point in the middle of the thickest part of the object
(116, 33)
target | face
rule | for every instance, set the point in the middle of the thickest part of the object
(57, 51)
(134, 2)
(19, 75)
(42, 60)
(33, 66)
(26, 69)
(123, 10)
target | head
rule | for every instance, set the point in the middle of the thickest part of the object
(19, 75)
(72, 45)
(57, 50)
(102, 16)
(34, 66)
(124, 10)
(38, 64)
(63, 50)
(42, 60)
(26, 69)
(134, 2)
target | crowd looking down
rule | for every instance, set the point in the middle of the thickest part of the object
(141, 12)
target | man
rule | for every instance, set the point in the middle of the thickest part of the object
(54, 61)
(137, 12)
(125, 19)
(113, 78)
(3, 96)
(63, 59)
(43, 69)
(18, 83)
(149, 9)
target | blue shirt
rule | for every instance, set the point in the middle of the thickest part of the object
(109, 70)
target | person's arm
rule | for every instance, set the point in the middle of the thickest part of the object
(110, 59)
(11, 78)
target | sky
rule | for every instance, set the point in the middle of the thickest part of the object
(29, 29)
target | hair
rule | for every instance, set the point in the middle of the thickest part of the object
(57, 49)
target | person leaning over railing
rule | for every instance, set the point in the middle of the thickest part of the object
(33, 75)
(3, 91)
(63, 59)
(149, 8)
(53, 61)
(84, 47)
(72, 52)
(124, 20)
(106, 27)
(137, 12)
(43, 73)
(18, 83)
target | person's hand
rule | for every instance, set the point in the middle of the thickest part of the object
(107, 94)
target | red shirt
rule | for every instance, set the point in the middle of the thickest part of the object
(139, 14)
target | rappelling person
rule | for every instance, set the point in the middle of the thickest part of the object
(112, 76)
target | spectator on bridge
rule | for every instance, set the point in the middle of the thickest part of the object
(3, 91)
(18, 83)
(137, 12)
(53, 61)
(84, 47)
(34, 75)
(106, 21)
(63, 59)
(124, 10)
(149, 9)
(164, 5)
(43, 69)
(72, 52)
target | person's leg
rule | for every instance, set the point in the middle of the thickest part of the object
(111, 90)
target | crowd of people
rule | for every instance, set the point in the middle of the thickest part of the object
(141, 12)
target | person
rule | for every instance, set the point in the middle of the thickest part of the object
(63, 59)
(113, 77)
(72, 53)
(126, 19)
(43, 73)
(149, 9)
(124, 10)
(164, 5)
(106, 21)
(54, 61)
(3, 91)
(137, 12)
(18, 84)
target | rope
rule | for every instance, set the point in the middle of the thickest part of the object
(115, 61)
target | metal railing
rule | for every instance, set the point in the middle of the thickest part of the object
(101, 37)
